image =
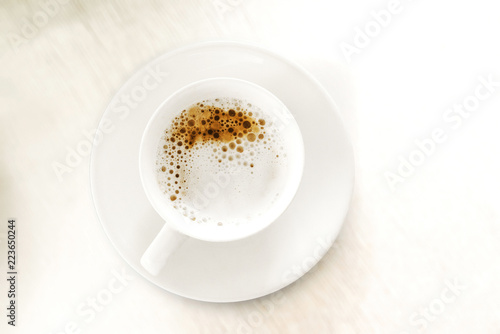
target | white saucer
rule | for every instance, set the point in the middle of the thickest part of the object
(267, 261)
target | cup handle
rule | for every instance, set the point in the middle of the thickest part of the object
(165, 243)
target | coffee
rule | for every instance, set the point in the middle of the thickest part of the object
(222, 161)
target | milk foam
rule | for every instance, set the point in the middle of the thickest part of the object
(222, 161)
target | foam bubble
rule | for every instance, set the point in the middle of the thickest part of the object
(226, 159)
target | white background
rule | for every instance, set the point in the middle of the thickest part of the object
(399, 250)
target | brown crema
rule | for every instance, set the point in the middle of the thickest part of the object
(204, 123)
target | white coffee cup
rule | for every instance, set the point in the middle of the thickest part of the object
(177, 227)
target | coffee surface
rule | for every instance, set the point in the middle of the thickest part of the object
(218, 156)
(205, 122)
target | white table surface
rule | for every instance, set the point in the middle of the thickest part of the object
(420, 258)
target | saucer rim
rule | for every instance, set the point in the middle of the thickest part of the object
(228, 43)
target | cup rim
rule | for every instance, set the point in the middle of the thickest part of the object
(160, 209)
